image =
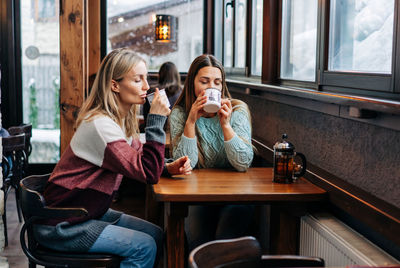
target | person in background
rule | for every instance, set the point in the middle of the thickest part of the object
(212, 140)
(104, 148)
(170, 80)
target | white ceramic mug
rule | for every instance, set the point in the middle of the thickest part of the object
(213, 103)
(162, 94)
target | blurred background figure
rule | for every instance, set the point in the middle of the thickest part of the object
(168, 78)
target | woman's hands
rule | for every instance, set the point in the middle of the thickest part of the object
(224, 115)
(225, 112)
(196, 111)
(180, 166)
(158, 105)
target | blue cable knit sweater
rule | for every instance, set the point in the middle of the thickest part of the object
(236, 153)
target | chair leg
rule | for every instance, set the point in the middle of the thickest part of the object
(32, 265)
(5, 226)
(17, 201)
(4, 217)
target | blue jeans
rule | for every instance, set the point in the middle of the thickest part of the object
(138, 241)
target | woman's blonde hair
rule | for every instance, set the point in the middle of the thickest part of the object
(102, 100)
(188, 97)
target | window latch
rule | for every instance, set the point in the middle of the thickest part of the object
(232, 4)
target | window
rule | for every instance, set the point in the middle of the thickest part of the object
(256, 37)
(299, 39)
(46, 10)
(233, 27)
(343, 46)
(234, 32)
(358, 53)
(41, 78)
(339, 45)
(132, 25)
(361, 36)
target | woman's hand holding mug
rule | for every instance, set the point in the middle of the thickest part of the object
(225, 112)
(196, 111)
(159, 105)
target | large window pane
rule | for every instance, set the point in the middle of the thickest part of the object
(228, 33)
(131, 24)
(361, 35)
(41, 77)
(218, 30)
(256, 38)
(299, 39)
(240, 33)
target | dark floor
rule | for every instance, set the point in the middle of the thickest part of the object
(131, 201)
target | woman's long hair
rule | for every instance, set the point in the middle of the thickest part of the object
(102, 100)
(169, 78)
(188, 97)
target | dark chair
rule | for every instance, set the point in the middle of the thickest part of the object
(13, 164)
(27, 130)
(277, 261)
(244, 252)
(291, 261)
(218, 252)
(33, 209)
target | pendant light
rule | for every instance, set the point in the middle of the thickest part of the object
(165, 28)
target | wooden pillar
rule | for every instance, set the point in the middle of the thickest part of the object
(269, 72)
(94, 39)
(79, 58)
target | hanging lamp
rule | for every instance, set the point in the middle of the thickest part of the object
(165, 28)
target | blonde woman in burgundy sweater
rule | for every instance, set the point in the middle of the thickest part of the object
(104, 148)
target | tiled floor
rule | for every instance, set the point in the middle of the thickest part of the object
(131, 200)
(13, 252)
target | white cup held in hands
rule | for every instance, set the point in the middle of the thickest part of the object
(213, 103)
(163, 96)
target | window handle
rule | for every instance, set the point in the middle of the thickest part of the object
(232, 4)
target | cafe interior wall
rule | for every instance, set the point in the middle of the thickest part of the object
(362, 154)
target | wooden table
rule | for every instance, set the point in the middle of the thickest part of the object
(207, 186)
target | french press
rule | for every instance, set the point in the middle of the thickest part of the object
(285, 169)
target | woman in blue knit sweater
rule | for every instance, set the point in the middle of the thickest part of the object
(212, 140)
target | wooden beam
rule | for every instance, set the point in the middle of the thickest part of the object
(73, 64)
(94, 38)
(270, 55)
(209, 24)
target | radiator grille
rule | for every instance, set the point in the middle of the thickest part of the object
(339, 245)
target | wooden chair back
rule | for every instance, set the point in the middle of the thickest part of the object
(277, 261)
(244, 252)
(27, 130)
(34, 208)
(14, 150)
(219, 252)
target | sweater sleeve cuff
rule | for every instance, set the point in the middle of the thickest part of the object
(189, 140)
(154, 128)
(234, 142)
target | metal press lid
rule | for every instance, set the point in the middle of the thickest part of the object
(283, 145)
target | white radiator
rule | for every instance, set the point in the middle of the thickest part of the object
(324, 236)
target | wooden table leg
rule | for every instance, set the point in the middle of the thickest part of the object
(284, 231)
(174, 218)
(153, 209)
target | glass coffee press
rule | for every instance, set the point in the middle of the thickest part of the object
(285, 169)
